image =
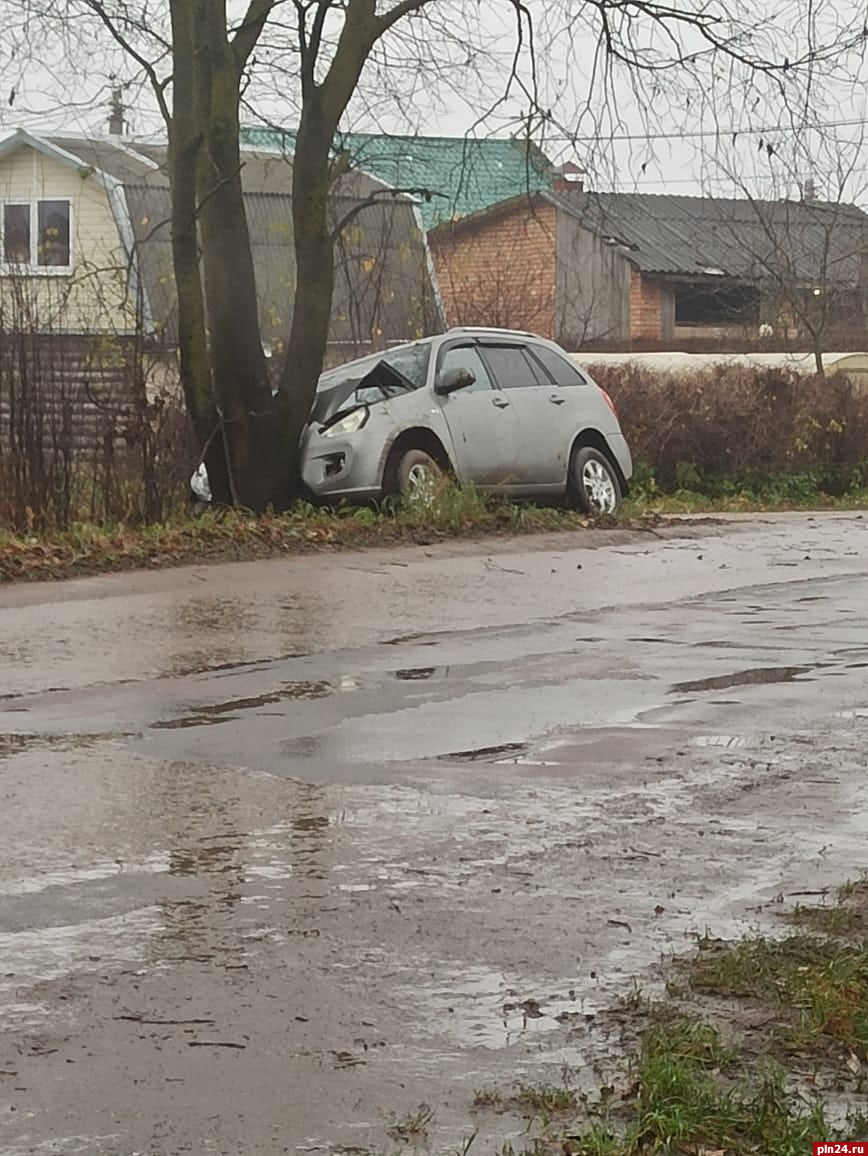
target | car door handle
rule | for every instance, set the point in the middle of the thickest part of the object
(500, 402)
(557, 398)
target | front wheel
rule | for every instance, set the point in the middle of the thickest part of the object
(594, 484)
(417, 474)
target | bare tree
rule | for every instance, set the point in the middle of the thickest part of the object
(805, 241)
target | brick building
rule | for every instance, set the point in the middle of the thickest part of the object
(639, 271)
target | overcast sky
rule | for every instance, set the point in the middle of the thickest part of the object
(704, 127)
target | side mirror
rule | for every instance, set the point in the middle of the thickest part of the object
(454, 380)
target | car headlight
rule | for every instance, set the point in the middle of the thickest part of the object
(348, 424)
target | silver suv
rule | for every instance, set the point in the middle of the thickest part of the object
(506, 411)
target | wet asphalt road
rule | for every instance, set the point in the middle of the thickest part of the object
(289, 848)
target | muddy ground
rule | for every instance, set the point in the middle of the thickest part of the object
(290, 848)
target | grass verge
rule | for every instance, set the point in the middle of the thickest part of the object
(452, 512)
(820, 985)
(235, 536)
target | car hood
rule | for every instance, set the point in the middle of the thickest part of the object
(331, 398)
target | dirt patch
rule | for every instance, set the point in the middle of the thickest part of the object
(757, 676)
(219, 712)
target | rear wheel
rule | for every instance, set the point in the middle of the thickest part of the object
(594, 484)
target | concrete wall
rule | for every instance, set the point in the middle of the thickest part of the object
(593, 288)
(91, 296)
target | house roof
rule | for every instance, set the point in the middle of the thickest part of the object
(383, 285)
(711, 236)
(462, 174)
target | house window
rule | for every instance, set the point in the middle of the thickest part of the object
(712, 305)
(36, 234)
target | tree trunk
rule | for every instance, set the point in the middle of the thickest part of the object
(314, 254)
(240, 375)
(323, 105)
(184, 144)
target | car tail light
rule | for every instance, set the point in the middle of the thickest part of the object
(609, 402)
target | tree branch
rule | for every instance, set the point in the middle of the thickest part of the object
(401, 9)
(250, 29)
(159, 86)
(374, 199)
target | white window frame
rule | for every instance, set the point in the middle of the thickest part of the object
(34, 269)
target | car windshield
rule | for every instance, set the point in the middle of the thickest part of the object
(409, 363)
(371, 379)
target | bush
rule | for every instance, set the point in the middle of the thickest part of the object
(729, 428)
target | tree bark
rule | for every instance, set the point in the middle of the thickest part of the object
(240, 375)
(184, 145)
(314, 255)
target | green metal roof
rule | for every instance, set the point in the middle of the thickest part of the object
(463, 175)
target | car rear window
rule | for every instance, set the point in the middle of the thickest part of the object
(561, 369)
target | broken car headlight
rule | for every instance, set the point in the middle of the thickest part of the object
(348, 424)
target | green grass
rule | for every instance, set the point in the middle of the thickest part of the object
(547, 1099)
(487, 1098)
(683, 1102)
(685, 1095)
(823, 983)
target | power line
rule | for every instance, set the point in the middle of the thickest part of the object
(704, 132)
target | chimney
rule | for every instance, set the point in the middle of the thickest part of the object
(117, 123)
(568, 178)
(809, 189)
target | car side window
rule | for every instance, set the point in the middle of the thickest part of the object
(560, 368)
(465, 357)
(512, 368)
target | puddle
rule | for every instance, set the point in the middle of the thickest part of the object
(416, 674)
(69, 877)
(480, 1007)
(52, 953)
(758, 676)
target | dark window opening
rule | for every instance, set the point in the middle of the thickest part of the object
(53, 232)
(712, 305)
(16, 234)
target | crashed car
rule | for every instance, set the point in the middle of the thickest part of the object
(506, 411)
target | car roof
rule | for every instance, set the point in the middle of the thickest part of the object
(456, 331)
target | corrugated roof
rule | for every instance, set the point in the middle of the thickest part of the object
(108, 156)
(742, 239)
(463, 175)
(383, 289)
